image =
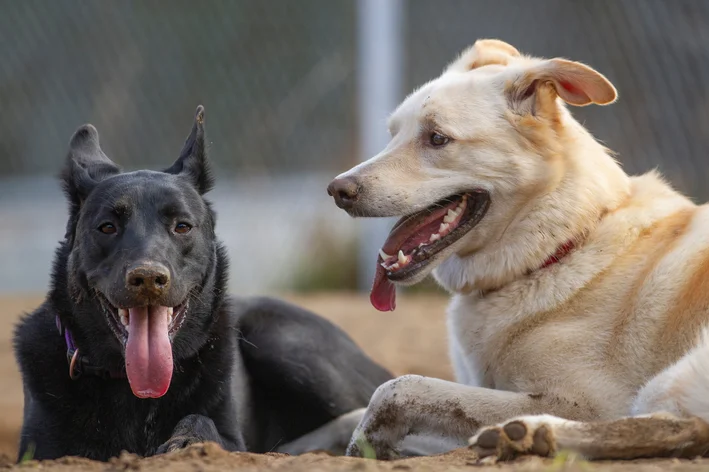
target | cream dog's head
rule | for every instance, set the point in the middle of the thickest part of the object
(468, 152)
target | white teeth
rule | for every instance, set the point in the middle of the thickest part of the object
(444, 227)
(383, 255)
(435, 237)
(394, 267)
(123, 315)
(450, 216)
(170, 310)
(402, 257)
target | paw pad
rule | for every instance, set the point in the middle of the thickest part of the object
(488, 439)
(512, 440)
(515, 430)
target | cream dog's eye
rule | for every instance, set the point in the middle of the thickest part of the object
(439, 140)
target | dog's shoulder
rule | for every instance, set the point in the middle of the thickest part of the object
(40, 351)
(36, 335)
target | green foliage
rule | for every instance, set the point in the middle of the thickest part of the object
(29, 453)
(365, 447)
(565, 458)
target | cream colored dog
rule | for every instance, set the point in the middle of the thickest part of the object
(578, 292)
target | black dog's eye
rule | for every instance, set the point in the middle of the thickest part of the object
(438, 140)
(107, 228)
(182, 228)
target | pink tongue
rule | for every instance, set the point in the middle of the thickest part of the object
(383, 295)
(148, 352)
(406, 234)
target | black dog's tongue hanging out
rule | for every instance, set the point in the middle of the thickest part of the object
(149, 351)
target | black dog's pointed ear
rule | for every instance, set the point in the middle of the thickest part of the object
(86, 164)
(192, 163)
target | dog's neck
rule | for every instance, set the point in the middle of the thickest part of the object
(590, 184)
(80, 365)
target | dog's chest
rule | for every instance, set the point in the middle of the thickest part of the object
(495, 349)
(113, 423)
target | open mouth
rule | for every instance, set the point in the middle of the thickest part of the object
(147, 333)
(416, 239)
(119, 318)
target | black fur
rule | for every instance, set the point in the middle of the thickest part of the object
(248, 374)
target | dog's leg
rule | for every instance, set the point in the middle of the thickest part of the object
(193, 429)
(682, 388)
(657, 435)
(680, 393)
(311, 374)
(332, 437)
(421, 406)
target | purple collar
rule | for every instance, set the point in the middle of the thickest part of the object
(79, 364)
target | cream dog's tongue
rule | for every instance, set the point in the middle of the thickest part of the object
(149, 352)
(383, 295)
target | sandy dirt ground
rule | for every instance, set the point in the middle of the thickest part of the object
(410, 340)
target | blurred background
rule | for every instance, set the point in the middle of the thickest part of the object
(297, 91)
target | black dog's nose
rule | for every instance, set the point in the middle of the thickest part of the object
(345, 191)
(152, 279)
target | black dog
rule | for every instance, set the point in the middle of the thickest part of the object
(138, 348)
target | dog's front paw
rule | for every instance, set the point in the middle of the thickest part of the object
(192, 429)
(178, 442)
(527, 435)
(385, 423)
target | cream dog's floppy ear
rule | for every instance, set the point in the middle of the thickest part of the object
(575, 83)
(484, 52)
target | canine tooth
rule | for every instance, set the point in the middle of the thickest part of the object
(383, 255)
(435, 237)
(402, 257)
(123, 316)
(443, 227)
(394, 266)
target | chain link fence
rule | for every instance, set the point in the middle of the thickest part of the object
(278, 79)
(656, 53)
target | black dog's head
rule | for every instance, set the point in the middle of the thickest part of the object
(141, 267)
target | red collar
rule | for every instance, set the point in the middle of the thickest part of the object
(561, 251)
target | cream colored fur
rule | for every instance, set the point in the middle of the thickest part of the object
(611, 330)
